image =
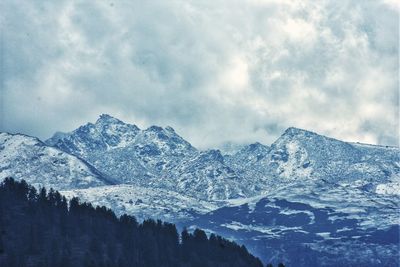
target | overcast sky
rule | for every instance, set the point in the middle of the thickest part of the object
(216, 71)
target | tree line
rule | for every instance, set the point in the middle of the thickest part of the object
(41, 228)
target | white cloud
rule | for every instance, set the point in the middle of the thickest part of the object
(216, 72)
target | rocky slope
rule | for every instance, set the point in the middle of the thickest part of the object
(156, 157)
(25, 157)
(300, 155)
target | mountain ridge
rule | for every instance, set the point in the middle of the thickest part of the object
(159, 174)
(23, 156)
(295, 154)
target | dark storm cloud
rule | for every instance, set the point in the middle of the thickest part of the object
(217, 71)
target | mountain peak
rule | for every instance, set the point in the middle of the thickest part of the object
(295, 130)
(154, 128)
(293, 133)
(106, 121)
(157, 129)
(255, 145)
(105, 118)
(170, 129)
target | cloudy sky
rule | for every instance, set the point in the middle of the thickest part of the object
(216, 71)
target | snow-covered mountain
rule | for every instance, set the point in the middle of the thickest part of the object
(107, 145)
(248, 163)
(159, 157)
(303, 198)
(300, 155)
(25, 157)
(156, 157)
(209, 177)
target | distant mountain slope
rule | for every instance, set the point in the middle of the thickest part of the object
(27, 157)
(209, 177)
(248, 163)
(313, 224)
(144, 202)
(304, 155)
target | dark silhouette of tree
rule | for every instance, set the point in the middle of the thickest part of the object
(40, 228)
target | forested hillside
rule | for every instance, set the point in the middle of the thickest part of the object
(44, 229)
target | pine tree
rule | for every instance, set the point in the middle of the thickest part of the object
(42, 231)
